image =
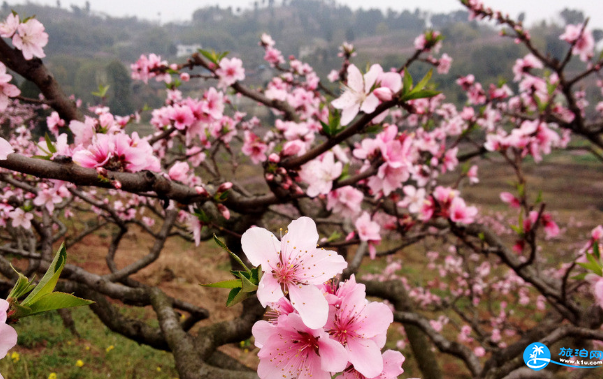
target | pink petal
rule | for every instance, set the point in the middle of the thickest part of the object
(8, 339)
(355, 81)
(262, 330)
(302, 234)
(371, 77)
(5, 148)
(311, 304)
(348, 114)
(269, 290)
(370, 104)
(366, 357)
(333, 355)
(260, 246)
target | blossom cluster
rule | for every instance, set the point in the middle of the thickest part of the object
(315, 327)
(27, 35)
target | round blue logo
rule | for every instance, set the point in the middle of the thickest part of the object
(536, 356)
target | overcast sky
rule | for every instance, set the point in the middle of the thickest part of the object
(173, 10)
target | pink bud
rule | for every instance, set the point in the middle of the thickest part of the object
(281, 171)
(269, 177)
(201, 191)
(101, 171)
(274, 158)
(116, 184)
(174, 66)
(224, 187)
(224, 211)
(291, 57)
(383, 93)
(185, 77)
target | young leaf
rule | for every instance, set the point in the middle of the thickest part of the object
(49, 144)
(423, 81)
(406, 82)
(233, 283)
(596, 251)
(236, 258)
(236, 295)
(426, 93)
(22, 286)
(56, 300)
(248, 286)
(50, 279)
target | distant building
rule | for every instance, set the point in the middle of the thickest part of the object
(186, 50)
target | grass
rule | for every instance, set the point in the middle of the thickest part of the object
(46, 347)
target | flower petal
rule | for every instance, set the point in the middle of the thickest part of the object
(8, 339)
(365, 355)
(260, 246)
(333, 355)
(269, 290)
(311, 304)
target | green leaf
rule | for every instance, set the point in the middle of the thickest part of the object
(236, 257)
(596, 251)
(210, 56)
(406, 82)
(580, 276)
(236, 295)
(539, 197)
(334, 236)
(102, 91)
(22, 286)
(591, 258)
(591, 267)
(482, 236)
(49, 144)
(426, 93)
(233, 283)
(423, 81)
(326, 128)
(50, 279)
(248, 286)
(56, 300)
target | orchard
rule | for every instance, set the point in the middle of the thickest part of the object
(346, 186)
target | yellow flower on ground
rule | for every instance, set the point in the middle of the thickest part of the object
(158, 369)
(15, 356)
(52, 375)
(79, 363)
(110, 348)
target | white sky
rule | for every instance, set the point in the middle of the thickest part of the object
(172, 10)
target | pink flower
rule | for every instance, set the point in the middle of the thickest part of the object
(584, 42)
(9, 27)
(346, 201)
(5, 149)
(291, 349)
(444, 64)
(508, 198)
(294, 265)
(357, 95)
(8, 335)
(20, 218)
(597, 233)
(6, 89)
(47, 198)
(472, 175)
(460, 212)
(368, 231)
(31, 38)
(319, 174)
(54, 122)
(230, 71)
(254, 147)
(414, 198)
(360, 327)
(178, 171)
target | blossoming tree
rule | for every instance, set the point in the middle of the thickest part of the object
(360, 167)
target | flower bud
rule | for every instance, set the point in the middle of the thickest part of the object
(101, 171)
(116, 184)
(224, 187)
(201, 191)
(383, 93)
(274, 158)
(224, 211)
